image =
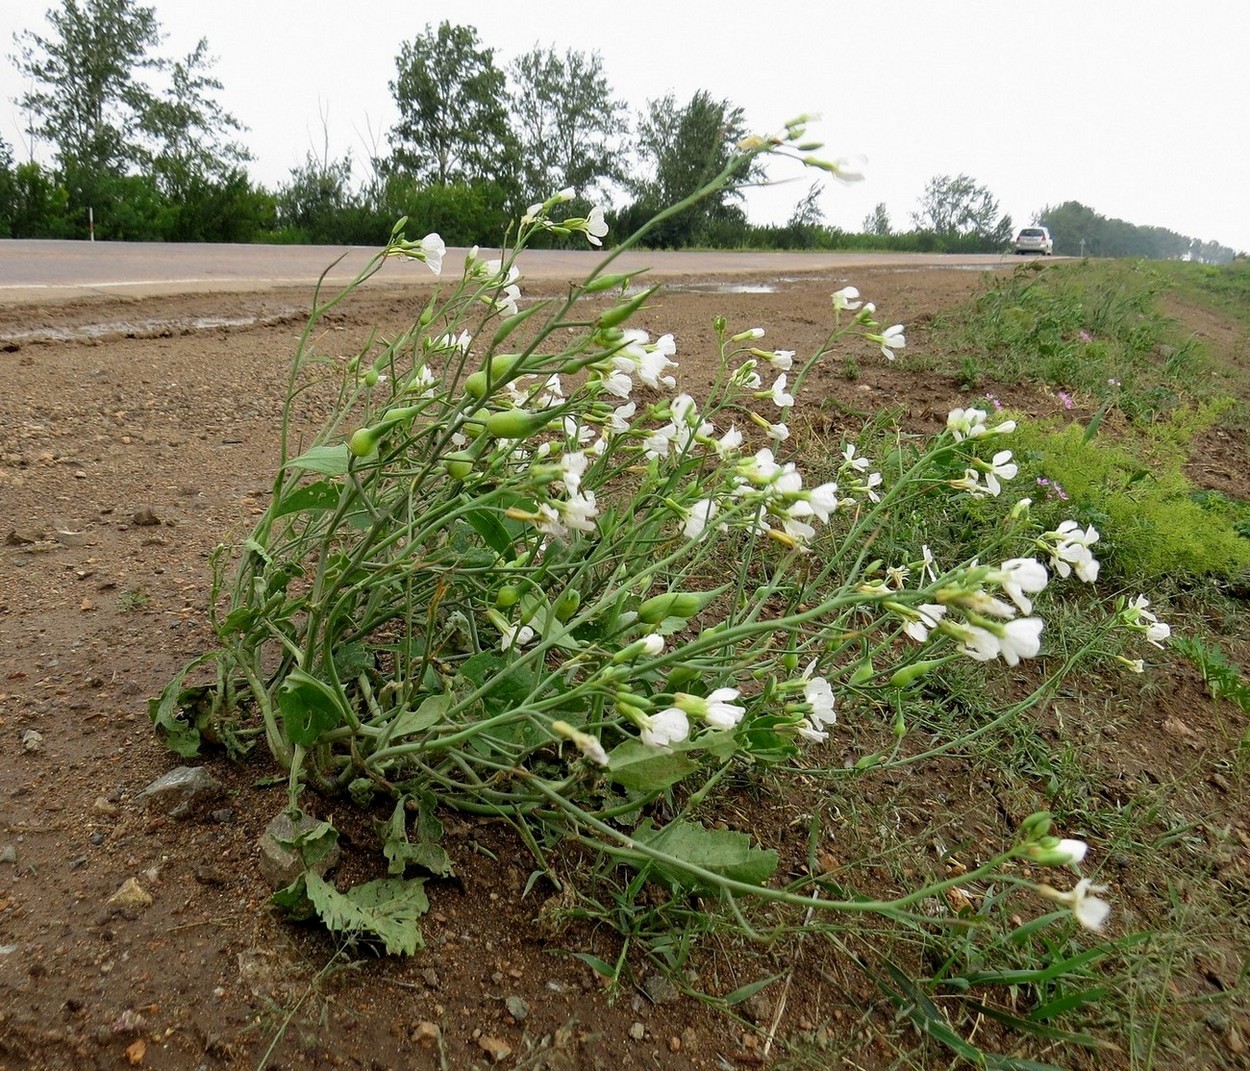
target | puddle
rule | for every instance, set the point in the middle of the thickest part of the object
(142, 328)
(723, 288)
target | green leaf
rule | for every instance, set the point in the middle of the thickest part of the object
(410, 722)
(746, 992)
(426, 853)
(722, 851)
(169, 710)
(386, 909)
(647, 769)
(328, 460)
(493, 532)
(309, 707)
(321, 495)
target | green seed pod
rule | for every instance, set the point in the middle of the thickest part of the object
(515, 424)
(566, 605)
(371, 378)
(364, 441)
(671, 604)
(501, 366)
(620, 313)
(903, 677)
(509, 325)
(459, 465)
(507, 596)
(608, 282)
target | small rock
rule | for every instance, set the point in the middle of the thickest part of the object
(496, 1048)
(96, 839)
(224, 816)
(145, 518)
(517, 1008)
(659, 989)
(20, 539)
(103, 805)
(182, 792)
(8, 854)
(278, 865)
(637, 1031)
(32, 741)
(136, 1051)
(425, 1033)
(131, 895)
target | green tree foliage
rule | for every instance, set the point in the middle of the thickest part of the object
(569, 123)
(683, 147)
(86, 96)
(877, 221)
(955, 206)
(453, 118)
(8, 190)
(1078, 230)
(191, 131)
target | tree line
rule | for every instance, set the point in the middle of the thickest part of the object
(142, 149)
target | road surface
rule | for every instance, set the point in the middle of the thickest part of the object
(42, 271)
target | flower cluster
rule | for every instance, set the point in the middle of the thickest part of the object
(1069, 549)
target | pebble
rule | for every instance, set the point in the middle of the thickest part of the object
(517, 1008)
(131, 894)
(32, 741)
(496, 1048)
(181, 792)
(8, 854)
(637, 1031)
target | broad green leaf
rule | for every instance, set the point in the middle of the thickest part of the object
(647, 769)
(321, 495)
(410, 722)
(723, 852)
(328, 460)
(309, 707)
(182, 735)
(387, 909)
(426, 853)
(492, 531)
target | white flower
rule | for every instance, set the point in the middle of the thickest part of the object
(971, 483)
(719, 712)
(699, 516)
(1001, 468)
(580, 511)
(859, 464)
(653, 644)
(1021, 638)
(1156, 631)
(782, 360)
(652, 366)
(1090, 911)
(819, 695)
(1073, 851)
(927, 567)
(966, 423)
(928, 615)
(618, 422)
(596, 227)
(458, 342)
(978, 643)
(729, 442)
(846, 298)
(516, 636)
(668, 727)
(588, 745)
(433, 250)
(572, 468)
(889, 340)
(778, 394)
(823, 500)
(618, 383)
(1019, 576)
(778, 432)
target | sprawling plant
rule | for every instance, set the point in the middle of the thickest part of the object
(519, 573)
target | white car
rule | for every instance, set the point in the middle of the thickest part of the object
(1034, 240)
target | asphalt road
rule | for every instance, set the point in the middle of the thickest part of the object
(42, 271)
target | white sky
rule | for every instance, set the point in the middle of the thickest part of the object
(1136, 108)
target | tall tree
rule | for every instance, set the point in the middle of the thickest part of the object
(683, 147)
(453, 117)
(877, 221)
(192, 133)
(954, 206)
(568, 120)
(87, 99)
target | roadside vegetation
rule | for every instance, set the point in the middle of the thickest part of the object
(908, 725)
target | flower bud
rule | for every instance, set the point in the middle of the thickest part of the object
(617, 315)
(566, 605)
(501, 367)
(905, 676)
(681, 604)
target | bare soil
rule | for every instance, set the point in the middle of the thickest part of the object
(135, 435)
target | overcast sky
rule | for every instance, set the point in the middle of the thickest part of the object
(1136, 108)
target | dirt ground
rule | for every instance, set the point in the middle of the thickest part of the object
(134, 436)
